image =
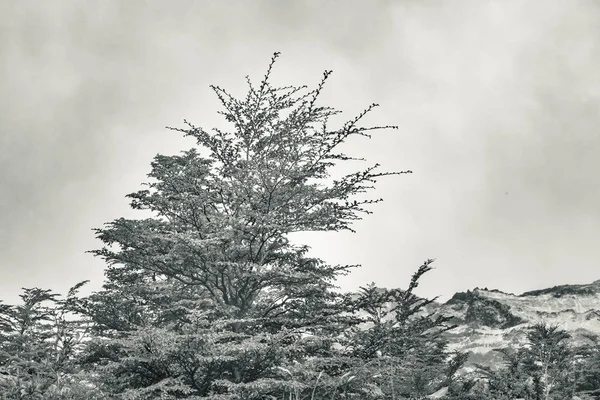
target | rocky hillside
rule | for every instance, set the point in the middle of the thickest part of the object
(491, 319)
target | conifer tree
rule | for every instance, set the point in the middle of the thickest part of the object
(209, 298)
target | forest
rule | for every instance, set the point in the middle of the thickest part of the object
(210, 299)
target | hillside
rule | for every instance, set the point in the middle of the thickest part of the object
(491, 319)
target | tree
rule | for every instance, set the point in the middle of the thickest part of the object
(512, 380)
(546, 368)
(209, 298)
(588, 364)
(549, 358)
(403, 350)
(40, 340)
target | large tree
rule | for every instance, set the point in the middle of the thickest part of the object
(209, 298)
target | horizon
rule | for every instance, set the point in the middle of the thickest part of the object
(497, 113)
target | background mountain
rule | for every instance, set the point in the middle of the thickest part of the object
(489, 319)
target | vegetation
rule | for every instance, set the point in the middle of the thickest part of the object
(209, 299)
(550, 366)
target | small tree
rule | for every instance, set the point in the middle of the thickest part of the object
(549, 359)
(403, 351)
(511, 380)
(544, 369)
(40, 340)
(588, 364)
(209, 298)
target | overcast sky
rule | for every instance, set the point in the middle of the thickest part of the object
(497, 104)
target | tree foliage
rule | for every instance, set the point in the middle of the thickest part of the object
(550, 366)
(209, 298)
(230, 301)
(39, 343)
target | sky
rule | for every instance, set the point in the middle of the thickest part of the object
(497, 104)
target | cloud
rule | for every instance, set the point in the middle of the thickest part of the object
(496, 101)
